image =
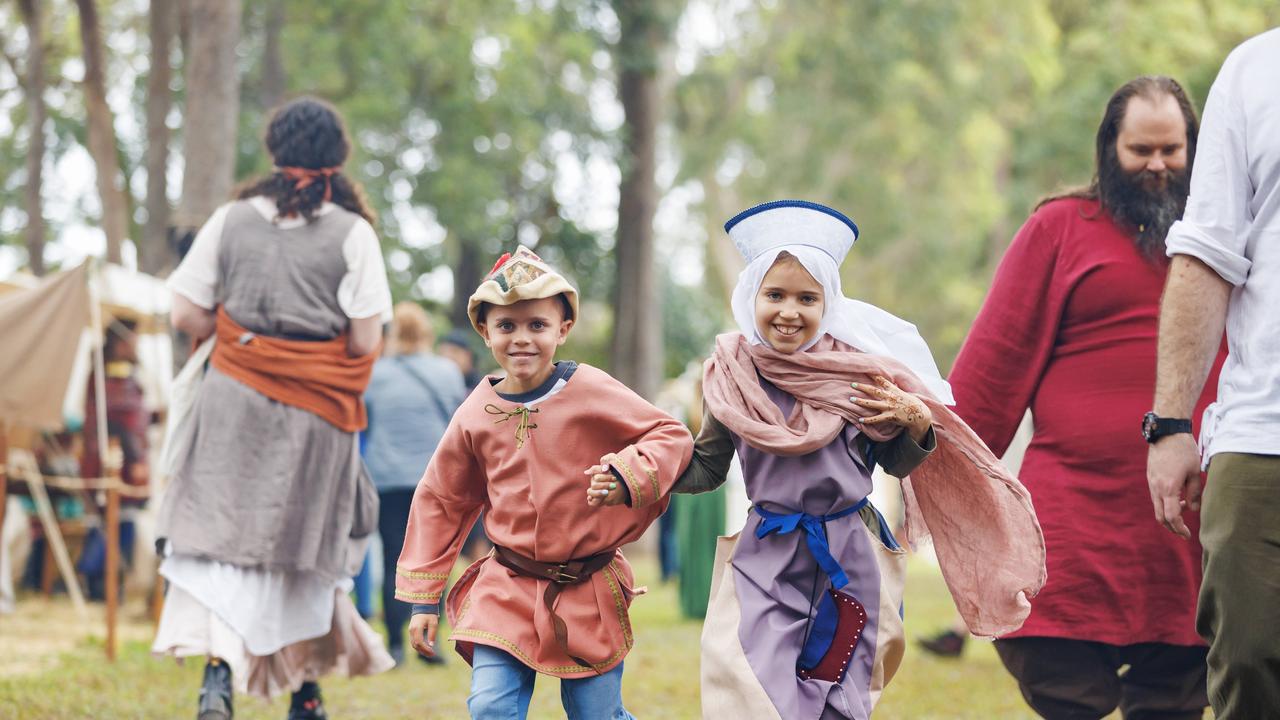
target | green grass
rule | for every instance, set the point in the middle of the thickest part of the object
(661, 676)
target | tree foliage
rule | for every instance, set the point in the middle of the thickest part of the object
(936, 125)
(480, 124)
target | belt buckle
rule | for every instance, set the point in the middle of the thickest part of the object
(563, 577)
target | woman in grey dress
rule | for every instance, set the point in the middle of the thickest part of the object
(269, 508)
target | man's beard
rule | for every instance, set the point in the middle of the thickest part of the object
(1142, 205)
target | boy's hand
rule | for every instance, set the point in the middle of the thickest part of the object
(422, 633)
(894, 406)
(604, 489)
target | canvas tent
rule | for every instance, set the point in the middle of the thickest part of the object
(46, 322)
(50, 341)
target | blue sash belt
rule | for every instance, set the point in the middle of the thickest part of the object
(814, 534)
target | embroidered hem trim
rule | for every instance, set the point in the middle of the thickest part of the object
(633, 484)
(624, 617)
(628, 640)
(420, 575)
(653, 480)
(411, 597)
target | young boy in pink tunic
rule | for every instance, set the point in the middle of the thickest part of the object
(552, 597)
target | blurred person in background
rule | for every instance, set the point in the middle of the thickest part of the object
(411, 399)
(127, 422)
(456, 347)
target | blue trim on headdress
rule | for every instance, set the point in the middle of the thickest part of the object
(775, 204)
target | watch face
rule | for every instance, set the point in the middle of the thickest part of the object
(1149, 426)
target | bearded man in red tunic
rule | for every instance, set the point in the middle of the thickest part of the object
(1068, 331)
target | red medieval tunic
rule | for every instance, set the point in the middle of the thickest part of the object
(527, 476)
(1069, 330)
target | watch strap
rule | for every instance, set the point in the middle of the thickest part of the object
(1172, 426)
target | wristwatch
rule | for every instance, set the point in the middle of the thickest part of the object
(1155, 427)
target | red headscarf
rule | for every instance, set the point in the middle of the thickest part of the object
(303, 177)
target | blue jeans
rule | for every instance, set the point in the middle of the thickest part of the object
(364, 588)
(501, 687)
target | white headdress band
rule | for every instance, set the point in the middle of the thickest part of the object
(820, 237)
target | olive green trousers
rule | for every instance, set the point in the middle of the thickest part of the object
(1239, 610)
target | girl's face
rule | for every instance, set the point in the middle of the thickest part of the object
(789, 306)
(524, 337)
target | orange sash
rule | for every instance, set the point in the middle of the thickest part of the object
(316, 376)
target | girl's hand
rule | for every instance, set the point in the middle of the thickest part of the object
(422, 633)
(895, 407)
(604, 489)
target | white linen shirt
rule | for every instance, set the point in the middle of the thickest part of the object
(363, 291)
(1232, 224)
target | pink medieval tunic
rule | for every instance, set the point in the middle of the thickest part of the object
(524, 468)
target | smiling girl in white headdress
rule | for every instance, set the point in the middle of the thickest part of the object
(805, 612)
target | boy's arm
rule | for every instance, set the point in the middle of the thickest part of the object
(447, 502)
(652, 463)
(712, 454)
(898, 456)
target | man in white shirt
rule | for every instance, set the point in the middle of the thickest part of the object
(1226, 272)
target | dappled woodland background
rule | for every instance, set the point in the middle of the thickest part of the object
(613, 136)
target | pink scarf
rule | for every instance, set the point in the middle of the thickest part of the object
(984, 528)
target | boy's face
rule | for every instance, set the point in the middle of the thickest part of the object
(789, 306)
(524, 336)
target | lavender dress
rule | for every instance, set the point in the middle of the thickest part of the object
(765, 589)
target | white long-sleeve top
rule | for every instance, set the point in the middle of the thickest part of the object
(1232, 224)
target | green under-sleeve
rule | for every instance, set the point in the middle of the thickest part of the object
(712, 454)
(900, 455)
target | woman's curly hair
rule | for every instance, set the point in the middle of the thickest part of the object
(308, 133)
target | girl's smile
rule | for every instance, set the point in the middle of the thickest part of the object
(789, 305)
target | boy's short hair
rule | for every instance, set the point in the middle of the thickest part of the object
(566, 309)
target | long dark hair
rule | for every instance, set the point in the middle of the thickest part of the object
(308, 133)
(1105, 157)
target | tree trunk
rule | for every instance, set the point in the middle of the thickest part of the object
(637, 335)
(183, 9)
(721, 258)
(213, 107)
(273, 76)
(466, 276)
(154, 255)
(102, 134)
(37, 114)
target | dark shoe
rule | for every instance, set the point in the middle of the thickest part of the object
(437, 659)
(948, 644)
(397, 654)
(215, 693)
(306, 703)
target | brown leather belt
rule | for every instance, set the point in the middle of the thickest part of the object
(559, 575)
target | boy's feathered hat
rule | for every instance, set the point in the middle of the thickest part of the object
(764, 227)
(520, 276)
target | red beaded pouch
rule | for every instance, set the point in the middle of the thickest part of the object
(837, 625)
